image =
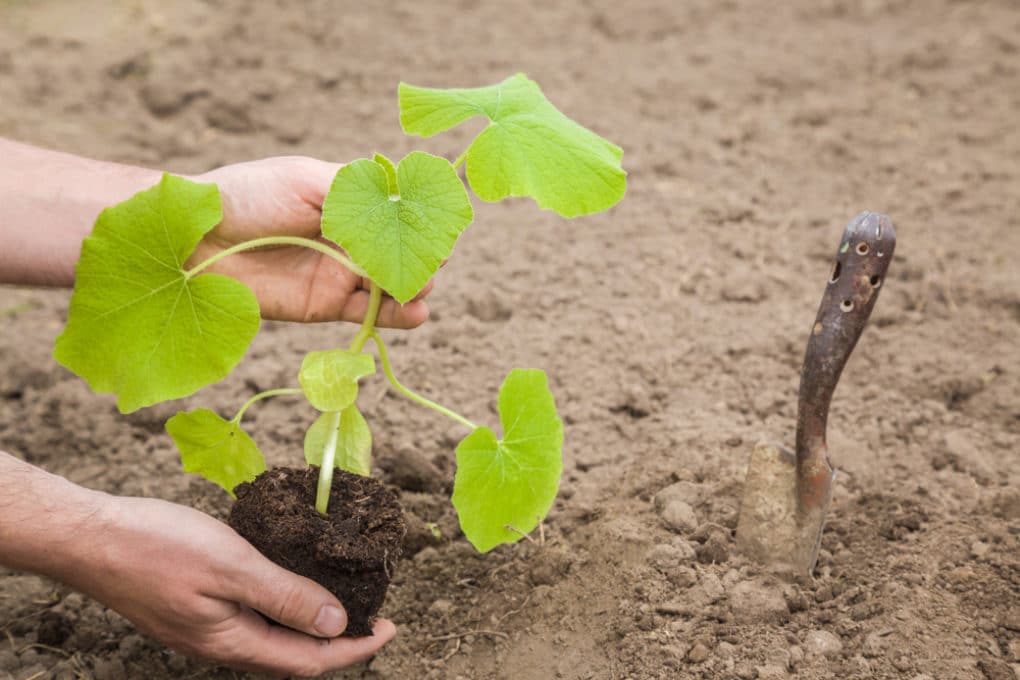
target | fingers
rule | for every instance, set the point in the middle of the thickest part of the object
(392, 314)
(283, 596)
(261, 646)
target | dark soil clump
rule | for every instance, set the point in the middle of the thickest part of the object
(352, 552)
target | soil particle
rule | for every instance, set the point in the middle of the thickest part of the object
(228, 116)
(756, 602)
(699, 653)
(679, 516)
(54, 628)
(770, 672)
(822, 643)
(408, 469)
(668, 556)
(352, 552)
(715, 549)
(9, 660)
(110, 669)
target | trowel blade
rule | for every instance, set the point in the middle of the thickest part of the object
(771, 529)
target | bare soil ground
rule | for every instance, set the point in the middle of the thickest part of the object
(672, 327)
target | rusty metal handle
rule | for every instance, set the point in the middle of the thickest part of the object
(857, 277)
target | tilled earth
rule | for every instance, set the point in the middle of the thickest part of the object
(672, 327)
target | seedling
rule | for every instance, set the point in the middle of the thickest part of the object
(149, 329)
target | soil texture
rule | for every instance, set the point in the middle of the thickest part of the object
(352, 551)
(672, 327)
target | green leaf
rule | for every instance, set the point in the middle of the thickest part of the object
(529, 147)
(391, 173)
(353, 441)
(399, 240)
(510, 482)
(217, 449)
(138, 326)
(330, 379)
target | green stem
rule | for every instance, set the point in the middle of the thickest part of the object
(460, 160)
(264, 395)
(326, 469)
(277, 241)
(368, 324)
(413, 396)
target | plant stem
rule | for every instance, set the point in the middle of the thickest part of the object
(278, 241)
(460, 160)
(413, 396)
(329, 453)
(264, 395)
(326, 468)
(368, 324)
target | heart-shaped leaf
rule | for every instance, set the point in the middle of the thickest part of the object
(504, 487)
(330, 379)
(529, 147)
(138, 325)
(399, 240)
(217, 449)
(353, 441)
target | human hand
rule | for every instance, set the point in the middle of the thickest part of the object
(195, 584)
(283, 197)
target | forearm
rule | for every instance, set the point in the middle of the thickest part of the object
(48, 204)
(48, 525)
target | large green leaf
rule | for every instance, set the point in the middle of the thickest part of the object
(330, 379)
(400, 241)
(138, 326)
(529, 147)
(217, 449)
(504, 487)
(353, 441)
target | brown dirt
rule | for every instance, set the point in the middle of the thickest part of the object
(353, 551)
(672, 327)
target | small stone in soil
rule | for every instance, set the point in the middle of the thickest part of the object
(715, 549)
(822, 643)
(679, 516)
(754, 602)
(698, 653)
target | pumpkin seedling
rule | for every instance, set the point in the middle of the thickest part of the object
(148, 328)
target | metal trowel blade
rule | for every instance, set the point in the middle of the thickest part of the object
(770, 529)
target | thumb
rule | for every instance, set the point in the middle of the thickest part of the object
(287, 598)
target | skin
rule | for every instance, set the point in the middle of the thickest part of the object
(127, 552)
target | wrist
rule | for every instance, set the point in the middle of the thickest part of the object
(48, 525)
(49, 202)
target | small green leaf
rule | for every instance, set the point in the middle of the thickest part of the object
(330, 379)
(353, 443)
(391, 172)
(529, 147)
(399, 240)
(510, 482)
(217, 449)
(138, 326)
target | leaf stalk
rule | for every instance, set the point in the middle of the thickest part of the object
(277, 241)
(414, 396)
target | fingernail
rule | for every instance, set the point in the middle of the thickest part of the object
(331, 621)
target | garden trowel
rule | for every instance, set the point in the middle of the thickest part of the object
(786, 493)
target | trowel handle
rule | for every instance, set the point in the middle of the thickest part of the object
(856, 279)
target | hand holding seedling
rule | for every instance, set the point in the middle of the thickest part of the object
(283, 197)
(176, 573)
